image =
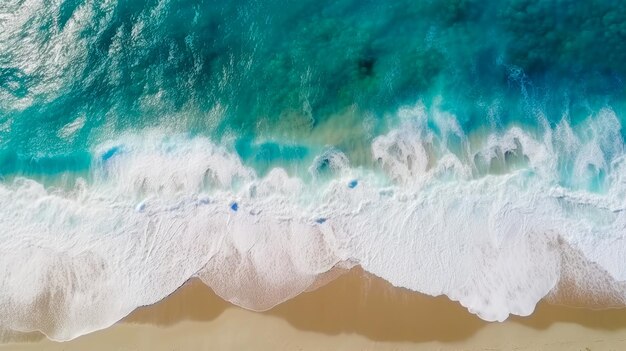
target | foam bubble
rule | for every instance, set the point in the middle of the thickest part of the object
(330, 162)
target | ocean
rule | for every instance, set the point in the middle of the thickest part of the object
(466, 148)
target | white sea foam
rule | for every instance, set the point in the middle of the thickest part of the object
(161, 209)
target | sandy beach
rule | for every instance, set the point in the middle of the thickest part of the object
(355, 312)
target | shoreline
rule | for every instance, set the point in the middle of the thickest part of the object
(355, 311)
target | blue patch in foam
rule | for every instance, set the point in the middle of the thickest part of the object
(234, 206)
(110, 153)
(353, 184)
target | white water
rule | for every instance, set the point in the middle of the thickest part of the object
(160, 210)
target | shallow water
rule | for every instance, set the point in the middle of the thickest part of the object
(467, 148)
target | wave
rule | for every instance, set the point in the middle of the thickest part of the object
(496, 221)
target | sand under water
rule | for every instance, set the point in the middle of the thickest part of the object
(355, 312)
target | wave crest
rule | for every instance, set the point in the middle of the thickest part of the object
(437, 217)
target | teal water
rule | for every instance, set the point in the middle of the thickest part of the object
(465, 148)
(269, 74)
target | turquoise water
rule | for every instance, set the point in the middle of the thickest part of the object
(275, 73)
(450, 147)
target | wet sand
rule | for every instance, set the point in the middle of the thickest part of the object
(355, 312)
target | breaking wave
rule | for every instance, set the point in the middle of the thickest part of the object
(495, 221)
